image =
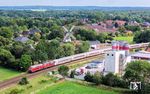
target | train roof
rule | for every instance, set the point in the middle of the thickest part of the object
(36, 65)
(141, 54)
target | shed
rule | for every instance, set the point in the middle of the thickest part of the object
(94, 44)
(21, 39)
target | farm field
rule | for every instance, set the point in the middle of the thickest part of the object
(128, 39)
(73, 88)
(7, 73)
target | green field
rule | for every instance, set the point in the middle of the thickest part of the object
(128, 39)
(7, 73)
(34, 85)
(73, 88)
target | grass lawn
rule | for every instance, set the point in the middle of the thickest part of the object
(34, 84)
(7, 73)
(128, 39)
(73, 88)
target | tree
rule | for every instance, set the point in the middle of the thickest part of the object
(85, 34)
(56, 31)
(97, 77)
(122, 29)
(54, 49)
(6, 32)
(6, 58)
(36, 37)
(133, 28)
(142, 36)
(137, 71)
(63, 70)
(113, 80)
(39, 56)
(25, 62)
(68, 49)
(102, 37)
(24, 81)
(72, 74)
(116, 25)
(4, 41)
(84, 47)
(17, 49)
(41, 52)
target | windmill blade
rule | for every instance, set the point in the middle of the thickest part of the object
(72, 28)
(73, 37)
(66, 30)
(66, 36)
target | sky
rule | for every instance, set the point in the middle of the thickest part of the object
(145, 3)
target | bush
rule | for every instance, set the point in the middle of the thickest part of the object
(24, 81)
(145, 88)
(29, 86)
(42, 81)
(15, 91)
(72, 74)
(97, 78)
(88, 77)
(63, 70)
(113, 80)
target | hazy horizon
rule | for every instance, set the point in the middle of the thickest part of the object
(100, 3)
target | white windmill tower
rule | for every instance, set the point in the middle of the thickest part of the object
(68, 34)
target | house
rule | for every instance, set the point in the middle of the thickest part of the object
(120, 22)
(133, 23)
(94, 44)
(146, 24)
(25, 33)
(109, 24)
(101, 28)
(33, 31)
(21, 39)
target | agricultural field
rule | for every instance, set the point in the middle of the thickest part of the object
(129, 39)
(7, 74)
(73, 88)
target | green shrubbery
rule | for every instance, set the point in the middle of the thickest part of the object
(109, 79)
(72, 74)
(63, 70)
(16, 91)
(24, 81)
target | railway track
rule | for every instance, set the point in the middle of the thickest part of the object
(15, 80)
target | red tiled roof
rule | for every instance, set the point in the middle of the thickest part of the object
(99, 28)
(120, 22)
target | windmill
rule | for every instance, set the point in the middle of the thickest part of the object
(68, 34)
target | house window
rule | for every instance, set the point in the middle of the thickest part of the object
(112, 55)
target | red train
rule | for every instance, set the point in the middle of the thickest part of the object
(49, 64)
(38, 67)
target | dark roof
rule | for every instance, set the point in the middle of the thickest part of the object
(25, 33)
(33, 31)
(21, 39)
(94, 42)
(146, 24)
